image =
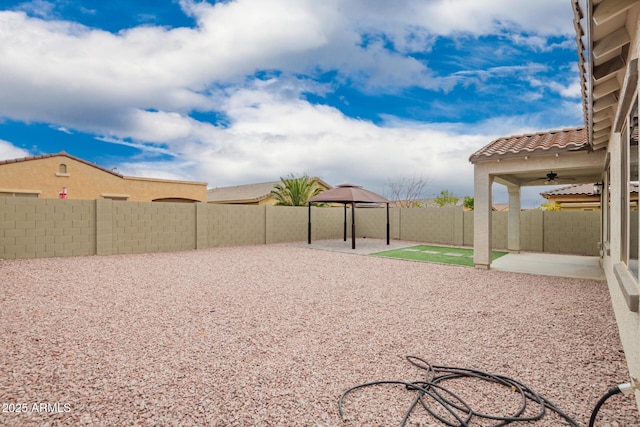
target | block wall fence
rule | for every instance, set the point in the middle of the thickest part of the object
(41, 228)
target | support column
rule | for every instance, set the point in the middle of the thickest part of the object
(353, 225)
(482, 217)
(345, 222)
(309, 226)
(513, 228)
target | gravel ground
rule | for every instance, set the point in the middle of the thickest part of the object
(272, 335)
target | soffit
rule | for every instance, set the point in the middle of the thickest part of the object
(604, 33)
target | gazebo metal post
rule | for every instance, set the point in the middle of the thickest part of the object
(387, 223)
(345, 222)
(309, 226)
(353, 225)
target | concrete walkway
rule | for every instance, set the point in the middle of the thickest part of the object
(583, 267)
(363, 246)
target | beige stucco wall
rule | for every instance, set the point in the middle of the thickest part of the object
(236, 225)
(83, 181)
(140, 227)
(33, 228)
(572, 232)
(436, 225)
(36, 228)
(372, 222)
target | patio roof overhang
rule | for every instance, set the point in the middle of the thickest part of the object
(524, 160)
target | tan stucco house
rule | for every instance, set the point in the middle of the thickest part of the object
(250, 194)
(575, 197)
(605, 151)
(62, 175)
(584, 197)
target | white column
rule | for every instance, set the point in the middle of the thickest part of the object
(513, 237)
(482, 217)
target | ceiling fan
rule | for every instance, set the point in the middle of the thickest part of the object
(550, 178)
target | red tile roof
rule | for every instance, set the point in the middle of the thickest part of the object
(574, 189)
(533, 144)
(580, 189)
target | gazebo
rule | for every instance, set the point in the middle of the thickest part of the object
(348, 194)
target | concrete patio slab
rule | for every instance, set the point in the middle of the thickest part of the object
(363, 246)
(584, 267)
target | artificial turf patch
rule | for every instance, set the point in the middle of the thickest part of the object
(439, 254)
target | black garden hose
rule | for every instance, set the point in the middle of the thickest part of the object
(431, 395)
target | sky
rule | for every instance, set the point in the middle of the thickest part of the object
(369, 92)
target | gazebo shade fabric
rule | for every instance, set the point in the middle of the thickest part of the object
(347, 193)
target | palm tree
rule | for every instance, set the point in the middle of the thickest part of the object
(292, 191)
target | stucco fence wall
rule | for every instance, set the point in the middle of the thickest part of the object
(40, 228)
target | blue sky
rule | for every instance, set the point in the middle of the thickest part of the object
(236, 92)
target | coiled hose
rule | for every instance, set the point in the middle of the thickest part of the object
(452, 411)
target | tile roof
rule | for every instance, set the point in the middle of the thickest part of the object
(580, 190)
(245, 193)
(533, 144)
(62, 153)
(574, 189)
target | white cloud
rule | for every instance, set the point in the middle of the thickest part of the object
(137, 87)
(10, 151)
(61, 72)
(270, 137)
(41, 8)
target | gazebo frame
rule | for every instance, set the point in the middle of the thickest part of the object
(348, 194)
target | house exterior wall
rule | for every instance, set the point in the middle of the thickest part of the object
(42, 177)
(615, 271)
(619, 279)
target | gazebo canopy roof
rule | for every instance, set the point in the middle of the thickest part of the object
(348, 193)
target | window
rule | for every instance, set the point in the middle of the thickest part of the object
(630, 191)
(62, 170)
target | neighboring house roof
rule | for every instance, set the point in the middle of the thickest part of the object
(571, 190)
(500, 207)
(241, 193)
(579, 190)
(533, 144)
(61, 153)
(248, 193)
